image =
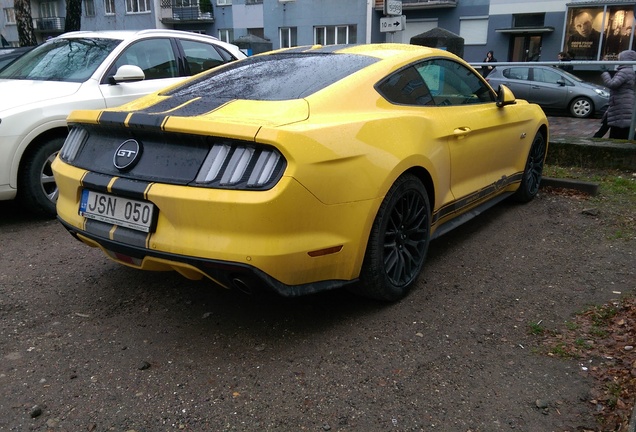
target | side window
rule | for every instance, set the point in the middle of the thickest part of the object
(154, 56)
(546, 76)
(406, 87)
(518, 73)
(201, 56)
(451, 83)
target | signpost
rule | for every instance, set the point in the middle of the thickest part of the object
(392, 24)
(392, 7)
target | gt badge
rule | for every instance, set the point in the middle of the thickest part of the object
(127, 155)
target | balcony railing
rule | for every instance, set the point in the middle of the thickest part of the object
(50, 24)
(420, 4)
(173, 12)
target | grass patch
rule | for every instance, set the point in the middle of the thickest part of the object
(536, 329)
(616, 198)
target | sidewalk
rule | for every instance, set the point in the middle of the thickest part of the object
(562, 126)
(571, 143)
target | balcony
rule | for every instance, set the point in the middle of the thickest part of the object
(420, 4)
(49, 24)
(182, 12)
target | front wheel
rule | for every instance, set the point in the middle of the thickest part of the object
(37, 189)
(533, 170)
(398, 242)
(581, 107)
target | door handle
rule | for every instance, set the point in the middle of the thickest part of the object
(461, 132)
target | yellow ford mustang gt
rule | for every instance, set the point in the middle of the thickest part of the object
(300, 170)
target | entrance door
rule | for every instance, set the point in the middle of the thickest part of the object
(525, 48)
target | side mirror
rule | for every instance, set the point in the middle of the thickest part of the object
(561, 82)
(505, 96)
(127, 73)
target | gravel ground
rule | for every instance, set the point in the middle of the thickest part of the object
(88, 345)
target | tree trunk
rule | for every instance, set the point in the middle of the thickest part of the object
(26, 34)
(73, 15)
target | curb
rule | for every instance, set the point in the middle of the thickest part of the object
(592, 152)
(581, 186)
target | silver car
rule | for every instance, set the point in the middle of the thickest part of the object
(552, 89)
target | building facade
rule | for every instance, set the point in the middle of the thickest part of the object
(516, 30)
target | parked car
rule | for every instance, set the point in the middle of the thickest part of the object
(84, 70)
(7, 55)
(553, 89)
(300, 170)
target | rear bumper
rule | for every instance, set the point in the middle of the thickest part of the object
(284, 237)
(230, 275)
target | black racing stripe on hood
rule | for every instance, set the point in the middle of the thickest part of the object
(112, 118)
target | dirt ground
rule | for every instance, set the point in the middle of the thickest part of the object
(87, 345)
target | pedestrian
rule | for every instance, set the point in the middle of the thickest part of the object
(490, 58)
(621, 100)
(600, 133)
(565, 57)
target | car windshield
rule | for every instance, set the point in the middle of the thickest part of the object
(274, 77)
(69, 60)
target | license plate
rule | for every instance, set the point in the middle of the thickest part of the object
(125, 212)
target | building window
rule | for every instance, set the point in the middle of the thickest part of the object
(137, 6)
(226, 35)
(109, 7)
(330, 35)
(89, 8)
(287, 36)
(9, 15)
(474, 30)
(48, 10)
(223, 2)
(248, 2)
(257, 31)
(528, 20)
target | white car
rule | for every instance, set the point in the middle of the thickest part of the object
(84, 70)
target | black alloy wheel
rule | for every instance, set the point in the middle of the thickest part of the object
(533, 171)
(398, 242)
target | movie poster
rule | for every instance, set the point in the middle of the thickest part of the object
(618, 32)
(593, 34)
(584, 33)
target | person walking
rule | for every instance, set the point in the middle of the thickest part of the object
(490, 58)
(621, 101)
(565, 57)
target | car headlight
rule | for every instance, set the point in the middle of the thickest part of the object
(602, 93)
(73, 144)
(230, 165)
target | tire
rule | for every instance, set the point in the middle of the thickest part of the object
(398, 242)
(581, 107)
(37, 189)
(533, 170)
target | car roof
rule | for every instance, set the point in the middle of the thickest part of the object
(378, 50)
(130, 34)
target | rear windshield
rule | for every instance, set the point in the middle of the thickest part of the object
(274, 77)
(72, 60)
